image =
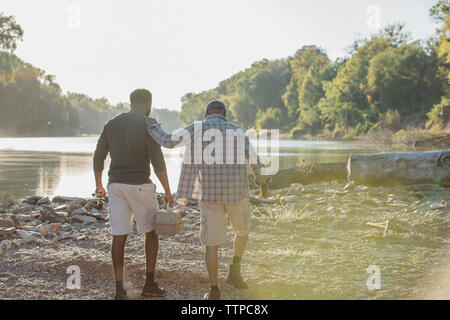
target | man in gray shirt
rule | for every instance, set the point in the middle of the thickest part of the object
(131, 193)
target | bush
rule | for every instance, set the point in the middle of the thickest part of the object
(391, 120)
(434, 116)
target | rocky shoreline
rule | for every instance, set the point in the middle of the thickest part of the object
(43, 221)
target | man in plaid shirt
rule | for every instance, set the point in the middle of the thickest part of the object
(214, 172)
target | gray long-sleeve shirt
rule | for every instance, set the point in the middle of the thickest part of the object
(131, 148)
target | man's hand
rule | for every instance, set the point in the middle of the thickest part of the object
(100, 192)
(162, 177)
(169, 200)
(262, 182)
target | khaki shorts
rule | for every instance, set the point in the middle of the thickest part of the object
(214, 221)
(128, 201)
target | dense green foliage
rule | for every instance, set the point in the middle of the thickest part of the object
(386, 81)
(167, 118)
(31, 103)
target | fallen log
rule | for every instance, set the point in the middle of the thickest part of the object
(306, 174)
(393, 168)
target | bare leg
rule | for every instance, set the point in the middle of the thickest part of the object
(212, 263)
(118, 252)
(235, 277)
(239, 245)
(151, 250)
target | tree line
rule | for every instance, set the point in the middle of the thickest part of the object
(386, 81)
(33, 104)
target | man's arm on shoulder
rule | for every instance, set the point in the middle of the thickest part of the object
(100, 154)
(168, 140)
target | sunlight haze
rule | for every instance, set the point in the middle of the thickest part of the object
(107, 49)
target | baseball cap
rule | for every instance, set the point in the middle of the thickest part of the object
(216, 104)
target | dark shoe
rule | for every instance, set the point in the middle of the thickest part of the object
(121, 295)
(212, 295)
(235, 277)
(152, 290)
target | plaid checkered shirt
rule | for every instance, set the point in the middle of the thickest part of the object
(220, 176)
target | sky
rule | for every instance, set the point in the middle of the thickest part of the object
(106, 48)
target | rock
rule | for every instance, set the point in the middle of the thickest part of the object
(37, 207)
(61, 208)
(76, 204)
(24, 233)
(42, 201)
(7, 233)
(6, 244)
(297, 187)
(261, 200)
(28, 237)
(59, 199)
(16, 222)
(22, 210)
(438, 205)
(24, 217)
(6, 223)
(30, 228)
(7, 204)
(94, 211)
(48, 214)
(79, 211)
(85, 219)
(32, 200)
(99, 216)
(66, 227)
(50, 228)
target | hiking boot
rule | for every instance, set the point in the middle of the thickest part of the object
(235, 277)
(212, 295)
(121, 295)
(153, 290)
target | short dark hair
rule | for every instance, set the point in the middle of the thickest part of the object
(140, 97)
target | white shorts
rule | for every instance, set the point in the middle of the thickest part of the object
(128, 201)
(214, 221)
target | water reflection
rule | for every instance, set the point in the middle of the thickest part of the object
(63, 166)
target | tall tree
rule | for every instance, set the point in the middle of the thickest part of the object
(10, 33)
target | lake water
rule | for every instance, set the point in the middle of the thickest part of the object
(63, 166)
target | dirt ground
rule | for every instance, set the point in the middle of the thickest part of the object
(314, 245)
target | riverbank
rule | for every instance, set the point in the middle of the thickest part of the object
(312, 243)
(388, 140)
